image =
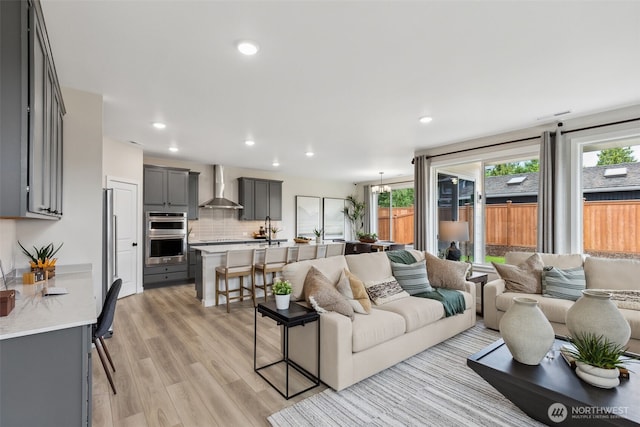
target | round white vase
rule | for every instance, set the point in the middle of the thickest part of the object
(282, 302)
(526, 331)
(595, 313)
(599, 377)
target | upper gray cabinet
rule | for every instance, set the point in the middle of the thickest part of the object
(192, 211)
(166, 189)
(31, 122)
(260, 198)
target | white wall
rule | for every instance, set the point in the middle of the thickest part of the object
(8, 245)
(292, 186)
(81, 225)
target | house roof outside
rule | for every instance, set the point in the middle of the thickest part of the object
(594, 180)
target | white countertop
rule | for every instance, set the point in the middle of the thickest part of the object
(34, 313)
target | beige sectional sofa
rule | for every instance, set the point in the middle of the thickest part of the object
(600, 273)
(352, 350)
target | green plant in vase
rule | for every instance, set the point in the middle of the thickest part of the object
(42, 257)
(367, 237)
(282, 290)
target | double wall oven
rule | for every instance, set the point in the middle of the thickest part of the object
(166, 238)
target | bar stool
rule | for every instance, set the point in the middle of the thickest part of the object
(238, 264)
(274, 260)
(321, 251)
(306, 252)
(335, 249)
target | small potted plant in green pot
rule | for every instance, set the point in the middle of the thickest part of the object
(318, 233)
(282, 291)
(598, 359)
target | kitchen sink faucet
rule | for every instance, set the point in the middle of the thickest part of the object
(268, 220)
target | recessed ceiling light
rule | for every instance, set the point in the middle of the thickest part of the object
(425, 119)
(173, 149)
(309, 153)
(247, 47)
(275, 164)
(249, 142)
(159, 125)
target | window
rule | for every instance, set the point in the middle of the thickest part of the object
(395, 214)
(610, 176)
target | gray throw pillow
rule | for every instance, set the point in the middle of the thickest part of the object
(323, 295)
(412, 277)
(444, 273)
(524, 277)
(564, 284)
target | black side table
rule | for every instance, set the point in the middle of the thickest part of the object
(482, 279)
(296, 315)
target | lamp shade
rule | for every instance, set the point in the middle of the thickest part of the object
(453, 231)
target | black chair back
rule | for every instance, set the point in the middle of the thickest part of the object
(105, 319)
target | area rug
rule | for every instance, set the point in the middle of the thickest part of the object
(433, 388)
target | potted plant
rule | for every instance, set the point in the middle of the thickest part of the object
(42, 258)
(275, 230)
(355, 214)
(282, 291)
(318, 234)
(367, 237)
(597, 359)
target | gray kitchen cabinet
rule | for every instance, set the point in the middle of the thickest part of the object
(46, 378)
(166, 189)
(260, 198)
(31, 123)
(192, 211)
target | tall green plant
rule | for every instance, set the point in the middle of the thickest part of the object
(355, 214)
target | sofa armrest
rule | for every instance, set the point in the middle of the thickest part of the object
(491, 291)
(336, 348)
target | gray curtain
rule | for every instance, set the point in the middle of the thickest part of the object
(367, 209)
(421, 186)
(554, 231)
(546, 193)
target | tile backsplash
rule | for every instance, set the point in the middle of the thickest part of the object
(223, 224)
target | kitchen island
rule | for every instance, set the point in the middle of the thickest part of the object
(211, 256)
(45, 353)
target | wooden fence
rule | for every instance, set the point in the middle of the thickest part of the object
(611, 226)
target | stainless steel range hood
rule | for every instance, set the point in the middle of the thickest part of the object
(219, 201)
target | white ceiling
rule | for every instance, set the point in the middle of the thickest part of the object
(345, 79)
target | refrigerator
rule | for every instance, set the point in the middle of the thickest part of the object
(109, 245)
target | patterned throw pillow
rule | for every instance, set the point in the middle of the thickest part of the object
(412, 277)
(564, 284)
(384, 291)
(525, 277)
(354, 291)
(444, 273)
(323, 296)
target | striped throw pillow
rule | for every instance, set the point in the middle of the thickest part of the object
(565, 284)
(412, 277)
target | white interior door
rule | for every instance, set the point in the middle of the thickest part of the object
(125, 209)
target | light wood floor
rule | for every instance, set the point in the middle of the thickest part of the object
(179, 364)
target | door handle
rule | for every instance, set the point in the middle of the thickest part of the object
(134, 244)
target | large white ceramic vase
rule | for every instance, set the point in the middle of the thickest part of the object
(595, 313)
(526, 331)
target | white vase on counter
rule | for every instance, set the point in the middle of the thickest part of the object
(282, 301)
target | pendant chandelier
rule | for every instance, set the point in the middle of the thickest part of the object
(380, 188)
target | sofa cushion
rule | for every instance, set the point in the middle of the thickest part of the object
(417, 312)
(554, 260)
(554, 309)
(369, 266)
(412, 277)
(321, 293)
(628, 298)
(606, 273)
(385, 290)
(378, 327)
(524, 277)
(633, 317)
(444, 273)
(296, 272)
(352, 288)
(565, 284)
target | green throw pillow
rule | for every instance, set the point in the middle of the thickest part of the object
(412, 277)
(564, 284)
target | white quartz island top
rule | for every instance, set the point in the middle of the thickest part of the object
(35, 313)
(217, 249)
